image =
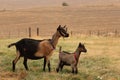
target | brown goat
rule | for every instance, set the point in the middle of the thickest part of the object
(37, 49)
(70, 59)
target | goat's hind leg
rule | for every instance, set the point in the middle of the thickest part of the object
(57, 69)
(59, 66)
(46, 60)
(25, 63)
(72, 66)
(15, 61)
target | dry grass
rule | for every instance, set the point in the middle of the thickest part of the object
(100, 63)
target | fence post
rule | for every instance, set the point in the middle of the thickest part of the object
(90, 32)
(71, 33)
(29, 32)
(98, 33)
(37, 31)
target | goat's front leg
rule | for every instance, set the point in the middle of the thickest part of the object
(76, 70)
(72, 66)
(25, 63)
(46, 60)
(48, 63)
(49, 68)
(44, 64)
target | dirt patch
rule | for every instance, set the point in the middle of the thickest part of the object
(12, 75)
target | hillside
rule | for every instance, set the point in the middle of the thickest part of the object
(78, 20)
(17, 4)
(81, 16)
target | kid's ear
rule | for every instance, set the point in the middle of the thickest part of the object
(64, 26)
(66, 29)
(80, 44)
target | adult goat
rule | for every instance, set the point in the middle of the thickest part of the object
(37, 49)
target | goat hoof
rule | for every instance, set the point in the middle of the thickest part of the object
(57, 70)
(44, 70)
(13, 70)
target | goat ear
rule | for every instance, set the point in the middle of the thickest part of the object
(64, 26)
(59, 27)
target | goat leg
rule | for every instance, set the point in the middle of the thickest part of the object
(25, 63)
(49, 68)
(76, 70)
(13, 67)
(44, 64)
(15, 61)
(57, 69)
(72, 68)
(59, 65)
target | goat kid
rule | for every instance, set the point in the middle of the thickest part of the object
(37, 49)
(70, 59)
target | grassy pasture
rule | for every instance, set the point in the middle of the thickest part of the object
(101, 62)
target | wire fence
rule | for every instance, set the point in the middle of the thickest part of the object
(104, 33)
(35, 31)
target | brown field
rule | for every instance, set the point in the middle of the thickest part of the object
(15, 23)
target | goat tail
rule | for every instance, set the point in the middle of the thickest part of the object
(60, 49)
(11, 45)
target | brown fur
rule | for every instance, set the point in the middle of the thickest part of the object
(70, 59)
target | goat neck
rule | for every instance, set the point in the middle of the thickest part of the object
(77, 54)
(55, 39)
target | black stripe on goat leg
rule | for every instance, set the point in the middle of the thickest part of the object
(49, 68)
(46, 61)
(25, 63)
(61, 66)
(76, 70)
(15, 60)
(72, 68)
(44, 64)
(57, 69)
